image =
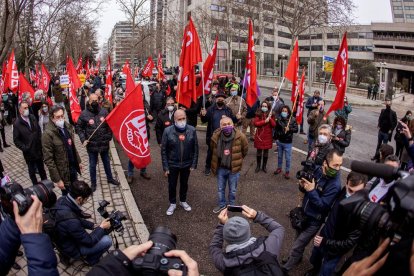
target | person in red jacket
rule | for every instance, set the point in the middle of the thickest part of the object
(263, 138)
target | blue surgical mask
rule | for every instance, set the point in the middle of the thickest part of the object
(181, 125)
(233, 93)
(265, 109)
(284, 114)
(322, 139)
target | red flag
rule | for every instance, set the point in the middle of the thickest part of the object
(208, 68)
(37, 79)
(168, 91)
(32, 76)
(147, 72)
(301, 98)
(340, 75)
(160, 75)
(45, 80)
(190, 56)
(130, 83)
(292, 70)
(12, 75)
(87, 70)
(74, 85)
(251, 73)
(79, 65)
(24, 87)
(108, 83)
(128, 125)
(98, 66)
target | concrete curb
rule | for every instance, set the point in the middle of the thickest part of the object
(131, 206)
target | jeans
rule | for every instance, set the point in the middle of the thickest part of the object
(225, 176)
(32, 165)
(329, 265)
(93, 161)
(382, 139)
(184, 174)
(131, 169)
(316, 258)
(284, 148)
(298, 247)
(94, 253)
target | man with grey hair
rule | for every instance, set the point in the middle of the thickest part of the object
(179, 153)
(322, 145)
(316, 118)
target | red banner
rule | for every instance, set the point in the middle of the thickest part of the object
(301, 99)
(11, 80)
(292, 70)
(45, 79)
(24, 87)
(74, 85)
(79, 65)
(108, 83)
(208, 69)
(147, 72)
(251, 73)
(128, 125)
(160, 75)
(130, 83)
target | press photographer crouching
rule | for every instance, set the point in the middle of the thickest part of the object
(320, 190)
(72, 239)
(22, 224)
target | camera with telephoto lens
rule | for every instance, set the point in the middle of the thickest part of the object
(13, 191)
(154, 262)
(307, 171)
(115, 217)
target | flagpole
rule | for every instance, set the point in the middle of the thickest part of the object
(244, 81)
(294, 106)
(90, 137)
(203, 84)
(280, 87)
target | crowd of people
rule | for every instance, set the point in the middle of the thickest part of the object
(46, 137)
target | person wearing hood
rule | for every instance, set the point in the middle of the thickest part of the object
(89, 122)
(179, 153)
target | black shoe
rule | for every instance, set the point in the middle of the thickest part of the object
(86, 215)
(1, 149)
(93, 187)
(207, 171)
(16, 266)
(257, 169)
(145, 176)
(258, 162)
(264, 164)
(114, 182)
(19, 253)
(65, 260)
(6, 146)
(130, 179)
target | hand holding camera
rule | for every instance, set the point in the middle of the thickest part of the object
(32, 221)
(105, 224)
(308, 185)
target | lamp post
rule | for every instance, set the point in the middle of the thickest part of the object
(310, 67)
(382, 64)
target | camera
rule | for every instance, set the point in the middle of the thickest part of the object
(115, 217)
(154, 262)
(399, 128)
(13, 191)
(307, 171)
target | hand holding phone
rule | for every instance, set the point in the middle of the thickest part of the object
(234, 208)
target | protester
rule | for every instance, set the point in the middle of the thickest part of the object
(229, 146)
(237, 105)
(375, 92)
(192, 113)
(387, 122)
(285, 128)
(399, 143)
(59, 150)
(158, 100)
(57, 92)
(316, 118)
(2, 126)
(179, 152)
(341, 134)
(248, 121)
(320, 148)
(92, 121)
(276, 102)
(263, 138)
(97, 83)
(241, 245)
(118, 93)
(320, 193)
(27, 138)
(43, 116)
(165, 118)
(313, 102)
(212, 117)
(73, 241)
(103, 103)
(369, 90)
(345, 111)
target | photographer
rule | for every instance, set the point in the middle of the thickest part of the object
(27, 229)
(320, 193)
(322, 146)
(73, 241)
(242, 246)
(119, 262)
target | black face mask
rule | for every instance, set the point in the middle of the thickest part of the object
(388, 106)
(95, 106)
(220, 104)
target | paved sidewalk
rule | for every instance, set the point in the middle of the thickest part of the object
(119, 197)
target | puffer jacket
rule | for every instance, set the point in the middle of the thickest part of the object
(86, 125)
(179, 150)
(238, 151)
(281, 135)
(273, 244)
(344, 139)
(55, 153)
(263, 138)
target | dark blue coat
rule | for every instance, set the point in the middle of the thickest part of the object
(71, 232)
(213, 117)
(317, 203)
(177, 153)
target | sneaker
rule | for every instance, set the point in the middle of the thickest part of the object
(218, 209)
(279, 170)
(286, 175)
(207, 171)
(171, 209)
(130, 179)
(114, 182)
(185, 206)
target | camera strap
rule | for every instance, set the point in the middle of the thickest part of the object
(116, 241)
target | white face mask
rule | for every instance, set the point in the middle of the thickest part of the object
(233, 93)
(60, 123)
(322, 139)
(170, 108)
(45, 109)
(181, 124)
(214, 92)
(26, 113)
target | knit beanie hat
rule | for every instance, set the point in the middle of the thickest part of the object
(236, 230)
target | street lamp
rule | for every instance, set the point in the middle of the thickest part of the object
(382, 64)
(310, 67)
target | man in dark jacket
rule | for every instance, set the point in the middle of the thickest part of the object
(179, 152)
(97, 83)
(276, 102)
(27, 138)
(248, 120)
(316, 118)
(212, 116)
(321, 147)
(320, 193)
(157, 101)
(27, 230)
(387, 122)
(241, 245)
(57, 92)
(59, 150)
(73, 241)
(312, 102)
(92, 121)
(165, 119)
(338, 235)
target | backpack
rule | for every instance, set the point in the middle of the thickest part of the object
(265, 264)
(50, 222)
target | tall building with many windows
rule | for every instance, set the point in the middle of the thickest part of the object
(402, 11)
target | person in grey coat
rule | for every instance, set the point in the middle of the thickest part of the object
(236, 232)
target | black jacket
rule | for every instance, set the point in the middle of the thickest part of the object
(280, 134)
(86, 125)
(387, 120)
(192, 114)
(178, 151)
(71, 233)
(157, 101)
(115, 263)
(345, 136)
(27, 138)
(322, 152)
(163, 121)
(213, 117)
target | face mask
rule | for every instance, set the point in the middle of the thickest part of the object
(284, 114)
(95, 106)
(329, 172)
(233, 93)
(170, 108)
(26, 113)
(388, 106)
(227, 130)
(338, 127)
(265, 109)
(181, 125)
(275, 98)
(220, 104)
(321, 108)
(347, 194)
(214, 92)
(45, 109)
(322, 139)
(408, 117)
(60, 123)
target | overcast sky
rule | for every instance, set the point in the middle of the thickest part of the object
(367, 11)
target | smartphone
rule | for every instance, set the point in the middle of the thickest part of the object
(234, 208)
